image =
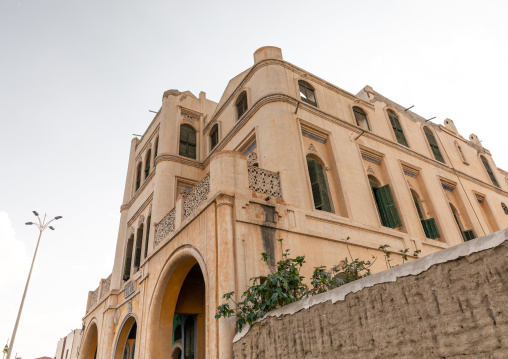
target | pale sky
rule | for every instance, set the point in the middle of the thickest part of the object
(77, 79)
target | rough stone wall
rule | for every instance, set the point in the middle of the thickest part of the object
(454, 309)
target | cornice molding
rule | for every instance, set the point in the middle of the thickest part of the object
(140, 210)
(174, 158)
(139, 191)
(299, 71)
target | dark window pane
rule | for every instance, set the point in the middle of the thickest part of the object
(361, 118)
(241, 104)
(397, 129)
(214, 137)
(433, 145)
(307, 93)
(187, 141)
(318, 185)
(489, 171)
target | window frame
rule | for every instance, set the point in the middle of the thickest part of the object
(361, 113)
(323, 184)
(308, 87)
(242, 98)
(490, 172)
(148, 160)
(186, 142)
(430, 146)
(391, 121)
(210, 136)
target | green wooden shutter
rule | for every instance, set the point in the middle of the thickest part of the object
(128, 259)
(430, 228)
(433, 145)
(318, 185)
(389, 214)
(418, 208)
(397, 129)
(489, 171)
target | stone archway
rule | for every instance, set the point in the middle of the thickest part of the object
(125, 346)
(90, 344)
(181, 290)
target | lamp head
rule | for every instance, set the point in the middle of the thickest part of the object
(50, 227)
(35, 212)
(58, 217)
(29, 223)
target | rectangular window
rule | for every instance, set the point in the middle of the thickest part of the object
(468, 235)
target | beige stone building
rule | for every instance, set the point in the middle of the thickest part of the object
(284, 154)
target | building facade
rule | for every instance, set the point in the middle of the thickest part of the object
(67, 347)
(284, 154)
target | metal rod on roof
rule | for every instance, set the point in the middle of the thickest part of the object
(430, 119)
(152, 111)
(297, 105)
(409, 108)
(136, 135)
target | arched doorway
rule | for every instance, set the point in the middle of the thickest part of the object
(90, 345)
(125, 347)
(176, 325)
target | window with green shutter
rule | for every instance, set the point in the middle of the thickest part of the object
(318, 185)
(137, 252)
(386, 206)
(430, 228)
(397, 128)
(138, 176)
(433, 145)
(214, 136)
(489, 171)
(187, 141)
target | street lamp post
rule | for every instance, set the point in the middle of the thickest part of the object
(42, 225)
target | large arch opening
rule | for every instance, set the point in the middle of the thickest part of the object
(90, 345)
(125, 347)
(178, 309)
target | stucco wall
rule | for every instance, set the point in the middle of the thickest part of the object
(449, 304)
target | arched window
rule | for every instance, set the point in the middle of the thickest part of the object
(128, 259)
(361, 118)
(155, 149)
(385, 204)
(307, 93)
(461, 153)
(241, 104)
(429, 225)
(138, 176)
(214, 136)
(489, 171)
(505, 209)
(148, 220)
(187, 141)
(148, 158)
(431, 139)
(397, 128)
(318, 185)
(137, 253)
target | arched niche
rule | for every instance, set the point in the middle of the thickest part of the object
(183, 270)
(126, 340)
(90, 344)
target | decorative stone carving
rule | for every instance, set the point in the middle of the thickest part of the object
(312, 148)
(131, 231)
(409, 184)
(264, 181)
(129, 289)
(165, 226)
(252, 159)
(189, 118)
(129, 307)
(150, 210)
(196, 196)
(370, 171)
(141, 220)
(106, 285)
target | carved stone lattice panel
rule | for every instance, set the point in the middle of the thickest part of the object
(129, 289)
(196, 196)
(106, 286)
(264, 181)
(253, 158)
(165, 226)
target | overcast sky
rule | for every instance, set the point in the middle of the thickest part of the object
(77, 79)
